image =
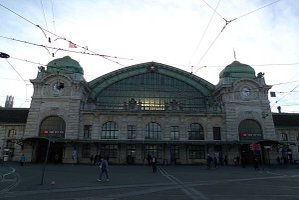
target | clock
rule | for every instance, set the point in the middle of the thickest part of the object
(245, 92)
(58, 88)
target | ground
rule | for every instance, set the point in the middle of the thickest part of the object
(78, 182)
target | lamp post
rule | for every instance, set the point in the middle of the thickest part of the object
(45, 162)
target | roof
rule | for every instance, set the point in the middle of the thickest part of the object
(237, 70)
(65, 65)
(286, 119)
(13, 115)
(100, 83)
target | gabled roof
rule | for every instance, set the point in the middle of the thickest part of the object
(13, 115)
(286, 119)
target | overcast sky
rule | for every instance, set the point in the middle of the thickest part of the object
(263, 34)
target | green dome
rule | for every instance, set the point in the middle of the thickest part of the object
(65, 65)
(237, 70)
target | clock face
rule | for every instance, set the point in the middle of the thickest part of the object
(245, 92)
(58, 88)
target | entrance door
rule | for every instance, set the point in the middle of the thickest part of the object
(55, 152)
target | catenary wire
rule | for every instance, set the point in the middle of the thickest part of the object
(204, 33)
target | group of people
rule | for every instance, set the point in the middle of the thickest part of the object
(216, 160)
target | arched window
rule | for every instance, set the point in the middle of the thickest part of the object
(153, 131)
(196, 132)
(250, 130)
(52, 127)
(109, 130)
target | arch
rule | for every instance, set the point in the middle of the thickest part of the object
(52, 127)
(150, 86)
(250, 130)
(196, 132)
(153, 131)
(109, 130)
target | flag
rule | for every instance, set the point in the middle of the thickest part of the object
(72, 45)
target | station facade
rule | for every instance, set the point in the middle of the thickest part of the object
(149, 109)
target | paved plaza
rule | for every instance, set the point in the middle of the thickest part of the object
(78, 182)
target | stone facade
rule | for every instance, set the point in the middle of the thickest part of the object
(227, 119)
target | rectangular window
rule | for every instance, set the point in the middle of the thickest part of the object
(153, 150)
(197, 152)
(85, 150)
(131, 132)
(174, 132)
(284, 136)
(12, 133)
(131, 150)
(174, 152)
(109, 150)
(217, 133)
(87, 131)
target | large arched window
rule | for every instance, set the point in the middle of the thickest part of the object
(109, 130)
(151, 91)
(153, 131)
(250, 130)
(52, 127)
(196, 132)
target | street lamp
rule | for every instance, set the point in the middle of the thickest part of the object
(46, 160)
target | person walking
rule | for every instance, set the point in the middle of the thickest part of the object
(103, 164)
(154, 164)
(22, 160)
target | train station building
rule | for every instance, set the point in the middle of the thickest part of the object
(149, 109)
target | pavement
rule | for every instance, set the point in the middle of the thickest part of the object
(133, 181)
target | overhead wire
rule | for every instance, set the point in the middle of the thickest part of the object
(204, 33)
(227, 22)
(63, 38)
(61, 49)
(19, 76)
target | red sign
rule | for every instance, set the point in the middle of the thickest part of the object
(255, 147)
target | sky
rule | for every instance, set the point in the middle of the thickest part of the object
(198, 36)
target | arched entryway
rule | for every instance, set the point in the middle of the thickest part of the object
(52, 129)
(250, 132)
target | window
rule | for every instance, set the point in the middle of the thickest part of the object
(217, 133)
(85, 150)
(174, 132)
(150, 91)
(196, 152)
(131, 150)
(284, 136)
(12, 133)
(109, 150)
(250, 130)
(109, 130)
(87, 131)
(153, 150)
(196, 132)
(131, 132)
(174, 152)
(52, 126)
(153, 131)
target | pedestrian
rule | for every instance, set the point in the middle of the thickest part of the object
(22, 160)
(149, 159)
(154, 164)
(225, 160)
(209, 161)
(103, 164)
(256, 164)
(91, 158)
(215, 161)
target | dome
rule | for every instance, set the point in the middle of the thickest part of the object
(65, 65)
(237, 70)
